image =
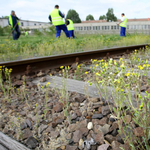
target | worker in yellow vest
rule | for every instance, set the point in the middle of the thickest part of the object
(70, 27)
(14, 24)
(123, 25)
(57, 20)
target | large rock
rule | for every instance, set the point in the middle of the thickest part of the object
(99, 138)
(84, 131)
(97, 116)
(72, 127)
(127, 119)
(79, 98)
(68, 147)
(77, 135)
(58, 107)
(106, 110)
(110, 138)
(29, 124)
(114, 126)
(26, 133)
(103, 121)
(117, 146)
(43, 79)
(103, 147)
(139, 132)
(31, 142)
(54, 134)
(105, 128)
(42, 128)
(93, 99)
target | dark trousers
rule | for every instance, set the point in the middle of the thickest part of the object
(62, 27)
(123, 31)
(71, 33)
(16, 33)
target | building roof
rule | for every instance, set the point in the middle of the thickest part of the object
(98, 21)
(28, 20)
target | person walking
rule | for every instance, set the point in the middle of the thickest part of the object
(70, 27)
(57, 20)
(123, 25)
(14, 24)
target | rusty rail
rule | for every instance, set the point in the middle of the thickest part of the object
(42, 63)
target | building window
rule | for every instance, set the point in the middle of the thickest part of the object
(112, 27)
(103, 27)
(84, 28)
(127, 26)
(94, 28)
(88, 28)
(148, 26)
(115, 27)
(118, 27)
(35, 24)
(108, 27)
(98, 28)
(21, 23)
(40, 24)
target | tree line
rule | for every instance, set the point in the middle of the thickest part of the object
(74, 16)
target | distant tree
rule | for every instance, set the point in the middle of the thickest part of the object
(110, 15)
(74, 16)
(89, 17)
(5, 17)
(102, 17)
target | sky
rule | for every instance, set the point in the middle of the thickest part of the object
(39, 10)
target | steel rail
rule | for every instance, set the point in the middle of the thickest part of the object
(43, 63)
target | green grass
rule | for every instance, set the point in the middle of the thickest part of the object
(46, 45)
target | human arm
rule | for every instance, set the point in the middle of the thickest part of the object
(49, 17)
(122, 20)
(61, 14)
(67, 22)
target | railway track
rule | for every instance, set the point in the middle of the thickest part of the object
(43, 63)
(93, 123)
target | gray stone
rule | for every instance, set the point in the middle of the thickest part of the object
(42, 128)
(31, 142)
(68, 147)
(29, 124)
(23, 125)
(105, 129)
(97, 116)
(54, 134)
(106, 110)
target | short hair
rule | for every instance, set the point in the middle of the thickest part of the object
(12, 11)
(123, 14)
(56, 6)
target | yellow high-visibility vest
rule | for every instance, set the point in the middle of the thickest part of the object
(124, 23)
(56, 18)
(70, 26)
(11, 21)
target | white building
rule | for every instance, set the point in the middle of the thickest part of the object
(23, 23)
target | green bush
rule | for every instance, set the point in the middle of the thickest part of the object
(1, 31)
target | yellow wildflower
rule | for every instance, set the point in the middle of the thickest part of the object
(61, 67)
(48, 83)
(86, 72)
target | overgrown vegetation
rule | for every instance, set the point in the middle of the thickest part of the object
(46, 44)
